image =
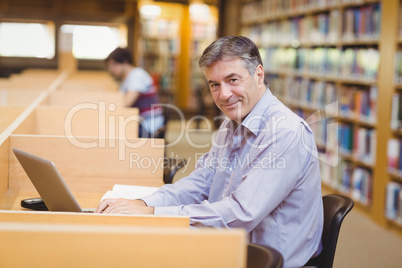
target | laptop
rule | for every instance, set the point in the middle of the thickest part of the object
(48, 182)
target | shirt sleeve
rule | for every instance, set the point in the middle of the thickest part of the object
(138, 80)
(263, 188)
(192, 189)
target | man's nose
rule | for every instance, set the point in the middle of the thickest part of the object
(226, 92)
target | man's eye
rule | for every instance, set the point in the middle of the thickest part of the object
(214, 86)
(233, 80)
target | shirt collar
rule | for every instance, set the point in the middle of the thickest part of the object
(255, 121)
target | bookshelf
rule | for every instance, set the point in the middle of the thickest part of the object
(331, 61)
(160, 47)
(170, 46)
(204, 24)
(393, 203)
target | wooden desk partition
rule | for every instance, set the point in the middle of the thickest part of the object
(18, 97)
(71, 98)
(90, 166)
(55, 245)
(94, 120)
(7, 115)
(39, 79)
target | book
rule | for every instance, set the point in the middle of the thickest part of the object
(394, 111)
(129, 191)
(399, 206)
(399, 159)
(361, 185)
(392, 200)
(393, 154)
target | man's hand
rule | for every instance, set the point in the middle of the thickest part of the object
(124, 206)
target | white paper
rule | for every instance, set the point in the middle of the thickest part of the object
(129, 191)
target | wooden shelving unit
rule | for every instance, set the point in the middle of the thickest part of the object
(170, 46)
(392, 36)
(159, 48)
(203, 33)
(287, 34)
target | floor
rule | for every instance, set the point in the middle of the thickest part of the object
(361, 242)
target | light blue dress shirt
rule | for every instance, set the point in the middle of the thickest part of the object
(262, 176)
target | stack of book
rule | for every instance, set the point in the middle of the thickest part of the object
(394, 157)
(345, 177)
(364, 142)
(359, 103)
(362, 185)
(393, 203)
(357, 64)
(362, 23)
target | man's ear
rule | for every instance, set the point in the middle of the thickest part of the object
(259, 72)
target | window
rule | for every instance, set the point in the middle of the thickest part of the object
(93, 42)
(27, 40)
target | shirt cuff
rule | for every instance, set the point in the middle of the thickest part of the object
(153, 200)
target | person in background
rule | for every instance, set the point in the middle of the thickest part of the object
(139, 90)
(262, 172)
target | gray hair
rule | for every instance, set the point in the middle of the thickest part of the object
(230, 47)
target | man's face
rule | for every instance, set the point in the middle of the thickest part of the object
(233, 89)
(116, 69)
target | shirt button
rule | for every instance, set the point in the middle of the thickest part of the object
(230, 169)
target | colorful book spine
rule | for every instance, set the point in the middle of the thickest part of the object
(398, 66)
(345, 177)
(360, 64)
(362, 185)
(346, 139)
(364, 145)
(394, 157)
(393, 201)
(362, 23)
(396, 112)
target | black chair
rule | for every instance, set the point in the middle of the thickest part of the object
(161, 132)
(171, 166)
(336, 207)
(259, 256)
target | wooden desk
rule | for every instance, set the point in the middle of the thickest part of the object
(60, 245)
(89, 165)
(29, 216)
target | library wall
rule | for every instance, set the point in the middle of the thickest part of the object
(332, 62)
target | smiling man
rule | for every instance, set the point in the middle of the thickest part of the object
(262, 172)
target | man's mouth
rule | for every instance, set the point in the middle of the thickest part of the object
(231, 104)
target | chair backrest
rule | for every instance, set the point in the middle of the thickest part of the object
(170, 167)
(259, 256)
(161, 132)
(336, 207)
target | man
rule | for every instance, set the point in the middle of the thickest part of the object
(262, 172)
(139, 90)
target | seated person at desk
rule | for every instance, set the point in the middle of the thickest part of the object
(262, 172)
(139, 90)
